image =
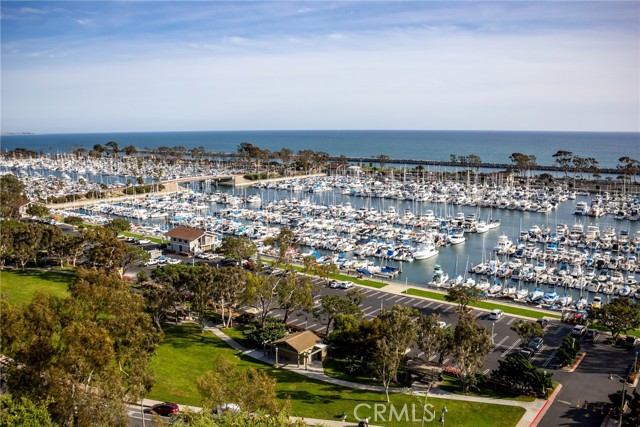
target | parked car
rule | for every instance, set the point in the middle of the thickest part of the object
(535, 343)
(334, 284)
(591, 335)
(579, 330)
(153, 261)
(173, 261)
(144, 241)
(165, 409)
(346, 284)
(542, 322)
(496, 314)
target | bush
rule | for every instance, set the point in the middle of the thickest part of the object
(73, 220)
(272, 330)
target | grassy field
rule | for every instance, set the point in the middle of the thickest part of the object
(487, 305)
(364, 282)
(140, 236)
(186, 353)
(20, 286)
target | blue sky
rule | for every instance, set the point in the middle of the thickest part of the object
(208, 65)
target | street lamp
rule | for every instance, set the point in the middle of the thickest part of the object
(444, 411)
(624, 391)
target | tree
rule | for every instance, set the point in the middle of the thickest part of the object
(463, 295)
(563, 159)
(23, 412)
(130, 149)
(397, 333)
(523, 162)
(115, 147)
(383, 159)
(229, 291)
(253, 390)
(158, 298)
(11, 196)
(85, 354)
(286, 243)
(430, 335)
(305, 159)
(618, 316)
(271, 330)
(261, 293)
(518, 372)
(333, 305)
(296, 292)
(527, 330)
(568, 350)
(118, 225)
(471, 345)
(285, 155)
(133, 255)
(238, 247)
(38, 210)
(176, 278)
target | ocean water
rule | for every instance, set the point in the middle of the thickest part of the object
(491, 146)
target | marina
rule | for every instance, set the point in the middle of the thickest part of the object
(529, 245)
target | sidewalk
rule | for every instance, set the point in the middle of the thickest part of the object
(316, 372)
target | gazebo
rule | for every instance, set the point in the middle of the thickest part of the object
(299, 347)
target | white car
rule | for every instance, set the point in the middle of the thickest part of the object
(173, 261)
(346, 284)
(153, 261)
(144, 241)
(579, 330)
(496, 314)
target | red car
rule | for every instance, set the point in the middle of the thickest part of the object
(165, 409)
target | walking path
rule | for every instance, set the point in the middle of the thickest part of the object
(316, 372)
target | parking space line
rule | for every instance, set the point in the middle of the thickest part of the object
(559, 330)
(278, 315)
(511, 347)
(438, 306)
(550, 358)
(486, 371)
(420, 354)
(496, 346)
(312, 326)
(401, 299)
(444, 362)
(511, 321)
(394, 297)
(369, 308)
(382, 295)
(368, 291)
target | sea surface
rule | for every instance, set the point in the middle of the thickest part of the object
(490, 146)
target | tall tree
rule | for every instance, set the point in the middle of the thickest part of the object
(471, 345)
(618, 316)
(430, 335)
(463, 295)
(333, 305)
(238, 247)
(397, 333)
(261, 293)
(115, 147)
(563, 159)
(296, 292)
(383, 159)
(11, 196)
(518, 372)
(84, 354)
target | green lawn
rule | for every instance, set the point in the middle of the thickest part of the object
(20, 286)
(186, 353)
(140, 236)
(364, 282)
(335, 368)
(453, 385)
(487, 305)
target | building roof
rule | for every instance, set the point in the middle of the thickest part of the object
(186, 233)
(300, 341)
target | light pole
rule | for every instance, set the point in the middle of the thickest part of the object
(624, 390)
(444, 411)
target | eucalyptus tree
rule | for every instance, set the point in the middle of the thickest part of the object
(84, 355)
(470, 347)
(397, 334)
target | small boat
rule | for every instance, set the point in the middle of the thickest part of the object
(550, 297)
(536, 295)
(425, 251)
(565, 300)
(625, 291)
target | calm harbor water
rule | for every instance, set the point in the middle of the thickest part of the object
(491, 146)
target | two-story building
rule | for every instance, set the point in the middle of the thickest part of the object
(190, 240)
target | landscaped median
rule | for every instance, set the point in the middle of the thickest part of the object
(141, 236)
(508, 309)
(186, 353)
